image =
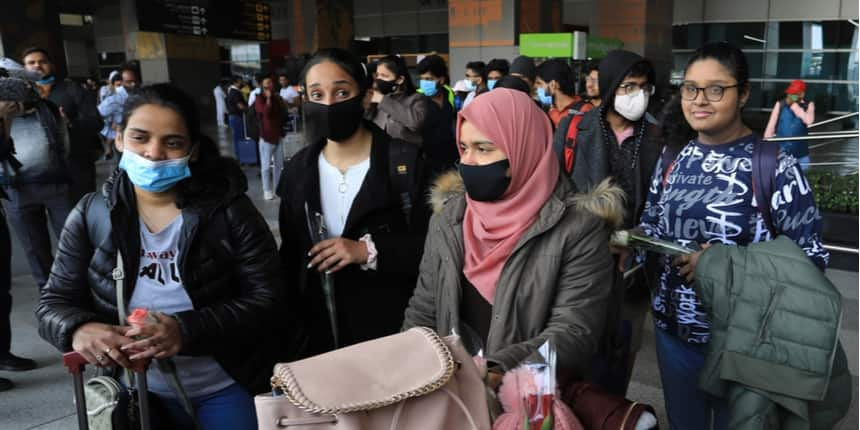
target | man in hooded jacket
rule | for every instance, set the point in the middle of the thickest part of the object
(618, 139)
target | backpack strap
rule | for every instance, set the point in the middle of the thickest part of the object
(576, 115)
(403, 171)
(667, 162)
(764, 161)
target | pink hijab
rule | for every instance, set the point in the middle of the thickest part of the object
(491, 230)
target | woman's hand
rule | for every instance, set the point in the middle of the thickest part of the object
(159, 340)
(494, 379)
(623, 254)
(687, 263)
(333, 255)
(101, 344)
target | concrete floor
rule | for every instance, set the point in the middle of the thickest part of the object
(43, 397)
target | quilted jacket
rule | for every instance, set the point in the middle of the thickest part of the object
(774, 350)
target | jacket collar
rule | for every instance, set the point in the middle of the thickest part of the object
(605, 201)
(371, 196)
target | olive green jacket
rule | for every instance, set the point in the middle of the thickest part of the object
(556, 284)
(774, 351)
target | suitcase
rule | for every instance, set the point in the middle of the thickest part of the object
(75, 364)
(246, 148)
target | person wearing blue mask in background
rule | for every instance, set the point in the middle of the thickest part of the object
(439, 141)
(497, 69)
(555, 89)
(196, 252)
(476, 80)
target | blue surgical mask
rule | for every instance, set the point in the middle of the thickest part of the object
(154, 176)
(544, 99)
(470, 86)
(491, 83)
(46, 80)
(429, 88)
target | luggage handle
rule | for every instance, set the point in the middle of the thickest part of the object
(75, 364)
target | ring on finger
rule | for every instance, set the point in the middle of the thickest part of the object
(100, 358)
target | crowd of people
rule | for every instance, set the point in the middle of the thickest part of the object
(483, 207)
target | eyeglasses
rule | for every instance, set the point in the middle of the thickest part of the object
(713, 93)
(633, 88)
(592, 80)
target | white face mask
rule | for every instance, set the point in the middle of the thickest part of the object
(633, 106)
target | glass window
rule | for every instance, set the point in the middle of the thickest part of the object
(790, 36)
(690, 36)
(827, 96)
(838, 34)
(734, 33)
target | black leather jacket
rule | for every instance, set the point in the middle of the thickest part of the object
(231, 271)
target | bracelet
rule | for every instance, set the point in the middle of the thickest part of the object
(372, 253)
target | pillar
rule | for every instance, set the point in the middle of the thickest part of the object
(645, 27)
(480, 30)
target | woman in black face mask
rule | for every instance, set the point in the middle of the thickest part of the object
(352, 215)
(393, 104)
(513, 258)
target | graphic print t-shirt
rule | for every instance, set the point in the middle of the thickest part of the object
(159, 288)
(708, 198)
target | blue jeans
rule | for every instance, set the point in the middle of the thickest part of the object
(237, 125)
(229, 409)
(271, 154)
(804, 163)
(687, 406)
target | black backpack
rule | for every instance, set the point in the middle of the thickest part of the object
(405, 169)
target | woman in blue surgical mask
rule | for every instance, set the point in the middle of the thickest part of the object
(194, 252)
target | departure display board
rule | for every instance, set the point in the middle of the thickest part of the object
(229, 19)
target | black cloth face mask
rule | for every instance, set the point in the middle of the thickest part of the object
(335, 122)
(486, 183)
(386, 87)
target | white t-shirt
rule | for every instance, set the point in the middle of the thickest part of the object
(469, 98)
(251, 97)
(289, 94)
(158, 287)
(338, 191)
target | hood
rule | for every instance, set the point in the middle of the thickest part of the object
(605, 201)
(216, 186)
(613, 69)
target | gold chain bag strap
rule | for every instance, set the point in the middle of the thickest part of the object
(410, 380)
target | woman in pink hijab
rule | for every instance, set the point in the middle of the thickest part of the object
(513, 257)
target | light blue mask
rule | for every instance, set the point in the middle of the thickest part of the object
(491, 83)
(154, 176)
(544, 99)
(46, 80)
(429, 88)
(470, 86)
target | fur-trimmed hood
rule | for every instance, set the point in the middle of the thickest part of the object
(605, 201)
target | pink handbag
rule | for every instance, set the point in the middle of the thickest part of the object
(413, 380)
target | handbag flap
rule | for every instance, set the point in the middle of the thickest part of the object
(368, 375)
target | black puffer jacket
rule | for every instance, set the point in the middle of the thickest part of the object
(228, 262)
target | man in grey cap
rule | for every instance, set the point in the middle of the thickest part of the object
(524, 68)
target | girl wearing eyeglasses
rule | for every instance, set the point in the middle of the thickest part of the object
(705, 196)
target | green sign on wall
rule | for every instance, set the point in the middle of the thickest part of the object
(598, 47)
(546, 45)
